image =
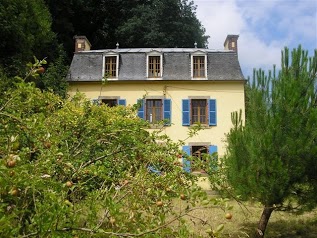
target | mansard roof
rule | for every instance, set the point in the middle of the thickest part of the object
(221, 64)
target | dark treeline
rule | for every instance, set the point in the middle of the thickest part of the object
(45, 28)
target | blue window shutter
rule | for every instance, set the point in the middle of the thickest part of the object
(167, 111)
(185, 111)
(141, 108)
(212, 112)
(122, 102)
(213, 149)
(213, 163)
(186, 163)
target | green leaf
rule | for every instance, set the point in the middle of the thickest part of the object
(219, 228)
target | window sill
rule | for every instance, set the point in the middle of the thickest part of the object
(204, 126)
(204, 78)
(158, 78)
(200, 173)
(156, 126)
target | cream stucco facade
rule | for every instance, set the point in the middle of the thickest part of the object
(180, 85)
(229, 96)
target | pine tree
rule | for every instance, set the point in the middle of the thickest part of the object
(272, 158)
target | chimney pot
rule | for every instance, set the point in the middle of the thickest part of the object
(231, 43)
(81, 43)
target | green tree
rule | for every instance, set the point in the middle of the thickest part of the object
(54, 78)
(25, 29)
(272, 158)
(132, 23)
(162, 23)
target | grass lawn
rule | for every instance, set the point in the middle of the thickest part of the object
(245, 218)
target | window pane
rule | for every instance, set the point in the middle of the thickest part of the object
(154, 66)
(198, 66)
(154, 110)
(199, 153)
(111, 66)
(109, 102)
(199, 111)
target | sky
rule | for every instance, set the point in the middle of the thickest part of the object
(264, 27)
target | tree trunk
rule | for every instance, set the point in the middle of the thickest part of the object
(267, 211)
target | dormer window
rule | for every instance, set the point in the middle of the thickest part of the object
(199, 66)
(111, 66)
(154, 65)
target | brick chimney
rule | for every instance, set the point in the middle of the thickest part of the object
(81, 43)
(231, 43)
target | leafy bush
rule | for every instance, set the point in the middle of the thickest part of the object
(70, 168)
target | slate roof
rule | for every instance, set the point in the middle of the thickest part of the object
(221, 65)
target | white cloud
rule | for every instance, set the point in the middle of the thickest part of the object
(254, 53)
(264, 26)
(220, 19)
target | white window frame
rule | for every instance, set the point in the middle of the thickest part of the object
(110, 54)
(154, 53)
(198, 53)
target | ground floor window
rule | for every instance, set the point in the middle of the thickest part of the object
(110, 102)
(199, 154)
(196, 157)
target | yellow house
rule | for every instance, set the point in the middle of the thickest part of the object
(183, 86)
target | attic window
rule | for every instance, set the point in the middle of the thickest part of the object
(154, 65)
(111, 66)
(199, 65)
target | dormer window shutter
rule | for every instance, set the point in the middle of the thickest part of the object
(186, 112)
(212, 112)
(141, 113)
(122, 102)
(167, 111)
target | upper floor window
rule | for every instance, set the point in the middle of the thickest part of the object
(154, 65)
(197, 110)
(155, 110)
(199, 66)
(111, 66)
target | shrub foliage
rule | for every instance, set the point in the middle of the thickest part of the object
(71, 168)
